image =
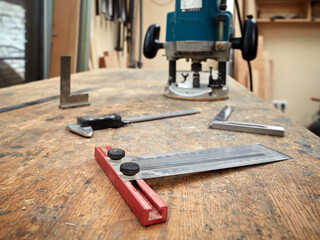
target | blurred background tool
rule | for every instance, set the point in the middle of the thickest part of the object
(315, 125)
(201, 30)
(220, 122)
(67, 100)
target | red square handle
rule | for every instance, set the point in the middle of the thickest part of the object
(143, 201)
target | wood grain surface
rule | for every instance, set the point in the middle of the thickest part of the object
(51, 186)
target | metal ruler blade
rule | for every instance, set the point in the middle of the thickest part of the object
(153, 166)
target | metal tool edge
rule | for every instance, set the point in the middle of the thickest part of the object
(224, 114)
(160, 116)
(222, 165)
(249, 128)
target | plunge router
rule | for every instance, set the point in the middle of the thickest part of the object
(200, 30)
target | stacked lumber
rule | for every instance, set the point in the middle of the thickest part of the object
(262, 68)
(110, 59)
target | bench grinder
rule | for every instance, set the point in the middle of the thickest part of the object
(200, 30)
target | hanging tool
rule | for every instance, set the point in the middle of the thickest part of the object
(115, 10)
(128, 27)
(109, 10)
(104, 6)
(68, 100)
(118, 47)
(97, 8)
(86, 125)
(122, 18)
(127, 173)
(125, 25)
(118, 20)
(139, 63)
(131, 33)
(219, 122)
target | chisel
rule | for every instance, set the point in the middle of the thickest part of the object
(86, 125)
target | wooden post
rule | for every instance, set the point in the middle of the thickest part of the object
(64, 34)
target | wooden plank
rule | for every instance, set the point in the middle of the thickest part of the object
(250, 8)
(259, 64)
(267, 78)
(102, 62)
(256, 83)
(111, 59)
(64, 34)
(241, 69)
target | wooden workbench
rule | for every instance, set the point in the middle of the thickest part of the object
(52, 187)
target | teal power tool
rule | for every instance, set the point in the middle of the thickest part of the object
(201, 30)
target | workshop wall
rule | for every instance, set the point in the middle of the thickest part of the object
(295, 49)
(12, 42)
(103, 38)
(103, 35)
(292, 43)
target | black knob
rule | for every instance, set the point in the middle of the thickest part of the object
(250, 39)
(116, 153)
(151, 41)
(248, 44)
(223, 5)
(129, 168)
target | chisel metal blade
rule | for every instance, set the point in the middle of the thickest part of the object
(86, 125)
(159, 116)
(82, 131)
(224, 114)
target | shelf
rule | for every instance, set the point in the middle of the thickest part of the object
(287, 21)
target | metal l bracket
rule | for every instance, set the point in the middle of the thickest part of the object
(67, 100)
(143, 201)
(220, 122)
(248, 127)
